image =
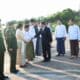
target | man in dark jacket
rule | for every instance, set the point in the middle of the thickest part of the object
(46, 41)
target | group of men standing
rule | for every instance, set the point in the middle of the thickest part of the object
(73, 35)
(10, 37)
(44, 33)
(46, 39)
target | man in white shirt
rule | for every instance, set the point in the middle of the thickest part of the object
(32, 32)
(74, 37)
(60, 34)
(29, 44)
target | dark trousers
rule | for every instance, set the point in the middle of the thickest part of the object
(39, 46)
(13, 55)
(60, 45)
(1, 64)
(46, 52)
(74, 45)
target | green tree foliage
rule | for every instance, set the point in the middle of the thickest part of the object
(12, 22)
(26, 21)
(65, 15)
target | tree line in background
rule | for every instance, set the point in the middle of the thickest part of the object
(65, 15)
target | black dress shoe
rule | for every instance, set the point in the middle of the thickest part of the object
(23, 66)
(2, 78)
(15, 72)
(5, 77)
(44, 61)
(47, 60)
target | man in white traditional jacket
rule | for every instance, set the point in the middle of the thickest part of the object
(74, 37)
(60, 34)
(29, 44)
(32, 32)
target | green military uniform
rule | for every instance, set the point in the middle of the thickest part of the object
(11, 44)
(2, 50)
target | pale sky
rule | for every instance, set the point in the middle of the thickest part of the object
(22, 9)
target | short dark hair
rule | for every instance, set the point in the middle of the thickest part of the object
(19, 25)
(72, 19)
(32, 20)
(44, 23)
(26, 26)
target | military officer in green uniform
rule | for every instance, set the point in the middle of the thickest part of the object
(11, 46)
(2, 50)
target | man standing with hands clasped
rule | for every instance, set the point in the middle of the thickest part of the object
(11, 46)
(74, 37)
(2, 51)
(60, 34)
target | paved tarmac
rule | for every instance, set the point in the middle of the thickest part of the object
(60, 68)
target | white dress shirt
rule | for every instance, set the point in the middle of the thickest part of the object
(74, 32)
(39, 30)
(32, 31)
(32, 34)
(27, 36)
(60, 31)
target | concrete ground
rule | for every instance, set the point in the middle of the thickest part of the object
(60, 68)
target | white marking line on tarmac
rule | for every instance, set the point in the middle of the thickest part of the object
(16, 77)
(57, 70)
(66, 62)
(73, 70)
(36, 76)
(70, 63)
(33, 75)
